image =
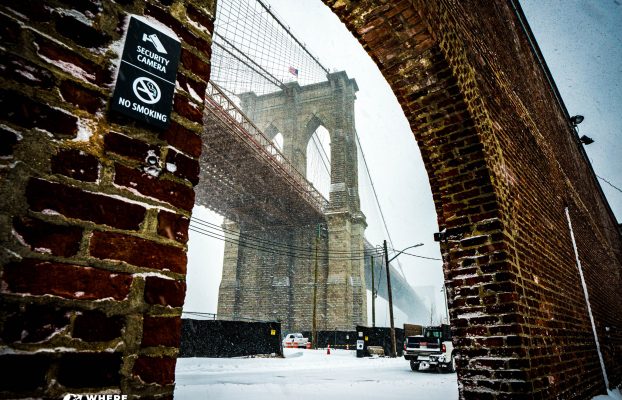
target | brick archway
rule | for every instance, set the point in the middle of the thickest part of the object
(504, 166)
(91, 241)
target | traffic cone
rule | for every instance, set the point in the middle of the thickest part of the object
(328, 350)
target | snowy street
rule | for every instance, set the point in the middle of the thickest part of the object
(309, 374)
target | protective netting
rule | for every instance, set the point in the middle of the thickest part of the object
(254, 51)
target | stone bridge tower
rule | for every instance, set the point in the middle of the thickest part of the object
(257, 285)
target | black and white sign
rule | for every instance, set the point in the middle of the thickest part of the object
(146, 79)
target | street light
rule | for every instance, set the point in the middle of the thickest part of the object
(576, 119)
(387, 261)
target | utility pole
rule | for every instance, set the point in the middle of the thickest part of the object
(314, 328)
(393, 342)
(373, 294)
(387, 261)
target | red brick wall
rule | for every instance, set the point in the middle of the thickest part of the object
(503, 165)
(93, 260)
(94, 248)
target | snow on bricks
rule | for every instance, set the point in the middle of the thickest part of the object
(173, 226)
(160, 370)
(72, 290)
(29, 113)
(137, 251)
(76, 164)
(174, 193)
(83, 98)
(39, 277)
(188, 108)
(79, 66)
(43, 237)
(33, 323)
(185, 167)
(128, 147)
(165, 292)
(76, 203)
(8, 140)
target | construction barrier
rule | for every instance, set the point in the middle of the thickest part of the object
(381, 337)
(338, 339)
(217, 338)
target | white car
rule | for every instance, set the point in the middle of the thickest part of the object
(295, 340)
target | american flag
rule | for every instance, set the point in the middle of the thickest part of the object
(293, 71)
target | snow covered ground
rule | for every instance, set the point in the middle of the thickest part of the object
(309, 374)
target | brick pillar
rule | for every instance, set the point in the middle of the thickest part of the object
(93, 247)
(503, 164)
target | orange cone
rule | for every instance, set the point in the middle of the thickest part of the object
(328, 350)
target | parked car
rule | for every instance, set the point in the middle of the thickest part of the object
(295, 340)
(433, 349)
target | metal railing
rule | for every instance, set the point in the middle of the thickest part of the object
(228, 112)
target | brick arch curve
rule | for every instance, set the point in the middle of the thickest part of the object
(90, 240)
(492, 132)
(453, 152)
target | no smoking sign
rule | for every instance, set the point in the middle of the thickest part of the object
(146, 80)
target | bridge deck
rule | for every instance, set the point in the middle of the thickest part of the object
(245, 177)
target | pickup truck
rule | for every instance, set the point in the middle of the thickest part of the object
(432, 349)
(295, 340)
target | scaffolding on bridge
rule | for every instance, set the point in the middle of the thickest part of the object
(253, 52)
(226, 117)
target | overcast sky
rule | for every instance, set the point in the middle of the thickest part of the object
(582, 44)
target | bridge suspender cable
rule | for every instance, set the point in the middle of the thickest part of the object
(278, 20)
(373, 187)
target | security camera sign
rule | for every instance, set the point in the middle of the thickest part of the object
(146, 79)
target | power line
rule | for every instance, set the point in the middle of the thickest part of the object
(418, 256)
(271, 250)
(279, 248)
(373, 187)
(609, 183)
(267, 242)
